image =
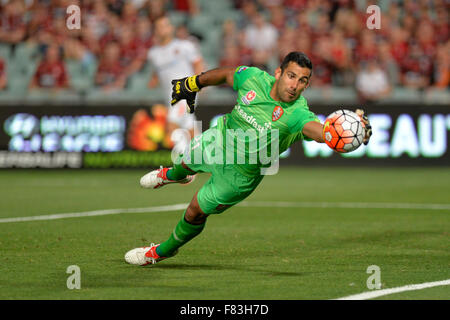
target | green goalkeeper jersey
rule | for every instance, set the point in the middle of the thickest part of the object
(260, 128)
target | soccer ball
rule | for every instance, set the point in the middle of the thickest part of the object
(343, 131)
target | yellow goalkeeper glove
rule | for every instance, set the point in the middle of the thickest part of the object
(186, 88)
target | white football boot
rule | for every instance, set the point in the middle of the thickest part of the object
(144, 255)
(158, 178)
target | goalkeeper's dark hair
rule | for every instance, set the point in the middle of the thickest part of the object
(299, 58)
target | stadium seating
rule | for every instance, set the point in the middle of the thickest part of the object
(22, 59)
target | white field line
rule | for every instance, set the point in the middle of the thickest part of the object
(348, 205)
(256, 204)
(173, 207)
(384, 292)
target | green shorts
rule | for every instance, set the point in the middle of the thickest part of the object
(226, 187)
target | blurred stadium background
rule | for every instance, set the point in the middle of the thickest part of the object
(53, 79)
(51, 76)
(410, 51)
(341, 221)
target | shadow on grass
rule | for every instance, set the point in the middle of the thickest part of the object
(169, 265)
(210, 267)
(213, 267)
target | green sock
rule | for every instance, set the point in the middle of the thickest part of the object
(183, 232)
(177, 172)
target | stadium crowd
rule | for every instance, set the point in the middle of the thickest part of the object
(411, 49)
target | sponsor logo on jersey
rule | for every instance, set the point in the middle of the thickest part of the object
(252, 121)
(249, 97)
(277, 113)
(242, 69)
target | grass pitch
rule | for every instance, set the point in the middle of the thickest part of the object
(248, 252)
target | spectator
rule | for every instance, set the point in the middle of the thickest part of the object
(296, 5)
(110, 74)
(249, 10)
(303, 43)
(129, 13)
(320, 58)
(302, 23)
(12, 22)
(114, 6)
(155, 10)
(340, 58)
(409, 24)
(367, 46)
(425, 37)
(277, 17)
(113, 31)
(51, 71)
(189, 6)
(351, 25)
(416, 68)
(441, 24)
(372, 82)
(261, 37)
(182, 33)
(230, 34)
(132, 57)
(441, 70)
(398, 44)
(173, 59)
(394, 11)
(59, 32)
(97, 19)
(322, 27)
(3, 75)
(287, 42)
(245, 52)
(144, 36)
(75, 50)
(230, 57)
(40, 20)
(388, 63)
(386, 25)
(89, 40)
(268, 5)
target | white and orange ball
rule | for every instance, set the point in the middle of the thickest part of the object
(343, 131)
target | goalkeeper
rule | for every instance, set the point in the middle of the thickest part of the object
(269, 116)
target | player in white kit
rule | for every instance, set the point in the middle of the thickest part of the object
(173, 59)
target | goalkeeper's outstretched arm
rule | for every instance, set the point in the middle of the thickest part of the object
(187, 88)
(218, 76)
(314, 130)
